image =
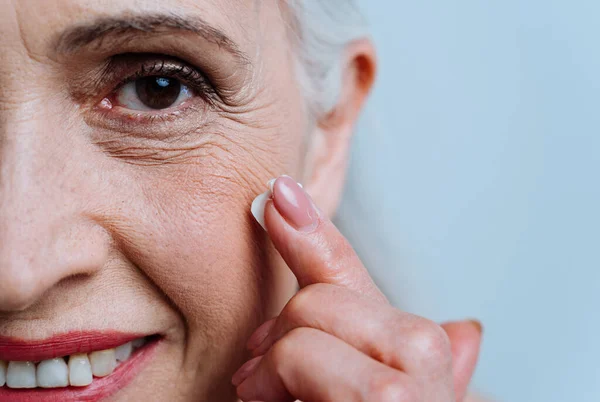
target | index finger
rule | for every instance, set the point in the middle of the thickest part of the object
(308, 241)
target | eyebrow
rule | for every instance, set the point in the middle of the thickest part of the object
(73, 39)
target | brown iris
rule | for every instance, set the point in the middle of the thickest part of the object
(157, 92)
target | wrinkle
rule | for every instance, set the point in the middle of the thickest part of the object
(145, 154)
(22, 37)
(260, 162)
(240, 116)
(242, 176)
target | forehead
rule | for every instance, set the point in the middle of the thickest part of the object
(37, 24)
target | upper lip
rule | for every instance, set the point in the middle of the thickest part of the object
(13, 349)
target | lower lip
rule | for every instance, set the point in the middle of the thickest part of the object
(99, 389)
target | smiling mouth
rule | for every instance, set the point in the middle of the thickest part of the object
(69, 366)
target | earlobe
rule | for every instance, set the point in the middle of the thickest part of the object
(330, 145)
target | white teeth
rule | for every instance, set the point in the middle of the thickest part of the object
(56, 373)
(53, 373)
(80, 370)
(2, 373)
(103, 362)
(21, 375)
(123, 352)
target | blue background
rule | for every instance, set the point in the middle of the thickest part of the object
(474, 189)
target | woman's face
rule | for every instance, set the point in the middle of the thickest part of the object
(124, 200)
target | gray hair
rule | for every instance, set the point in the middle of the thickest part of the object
(321, 30)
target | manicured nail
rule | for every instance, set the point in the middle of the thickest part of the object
(294, 204)
(260, 202)
(260, 334)
(477, 324)
(258, 208)
(245, 371)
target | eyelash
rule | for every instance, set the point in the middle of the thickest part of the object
(158, 65)
(188, 75)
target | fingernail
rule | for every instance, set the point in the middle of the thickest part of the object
(245, 371)
(260, 334)
(259, 204)
(477, 325)
(294, 204)
(258, 208)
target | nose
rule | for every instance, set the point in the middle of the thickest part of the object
(46, 234)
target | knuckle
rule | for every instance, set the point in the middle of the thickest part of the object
(346, 260)
(432, 345)
(290, 345)
(337, 255)
(297, 307)
(392, 387)
(344, 250)
(304, 303)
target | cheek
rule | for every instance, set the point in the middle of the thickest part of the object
(194, 241)
(188, 227)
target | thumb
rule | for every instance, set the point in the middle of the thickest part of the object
(465, 341)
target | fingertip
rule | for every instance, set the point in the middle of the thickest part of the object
(245, 371)
(260, 334)
(465, 340)
(464, 331)
(294, 204)
(287, 187)
(478, 326)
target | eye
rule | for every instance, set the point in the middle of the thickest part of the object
(153, 93)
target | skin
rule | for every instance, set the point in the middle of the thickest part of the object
(117, 219)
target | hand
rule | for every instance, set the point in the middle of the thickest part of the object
(338, 338)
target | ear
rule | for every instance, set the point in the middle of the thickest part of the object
(330, 144)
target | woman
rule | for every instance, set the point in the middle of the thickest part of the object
(135, 136)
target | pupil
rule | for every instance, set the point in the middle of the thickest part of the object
(158, 92)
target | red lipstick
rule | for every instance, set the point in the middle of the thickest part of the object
(67, 344)
(12, 349)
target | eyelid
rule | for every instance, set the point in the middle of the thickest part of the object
(106, 113)
(156, 125)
